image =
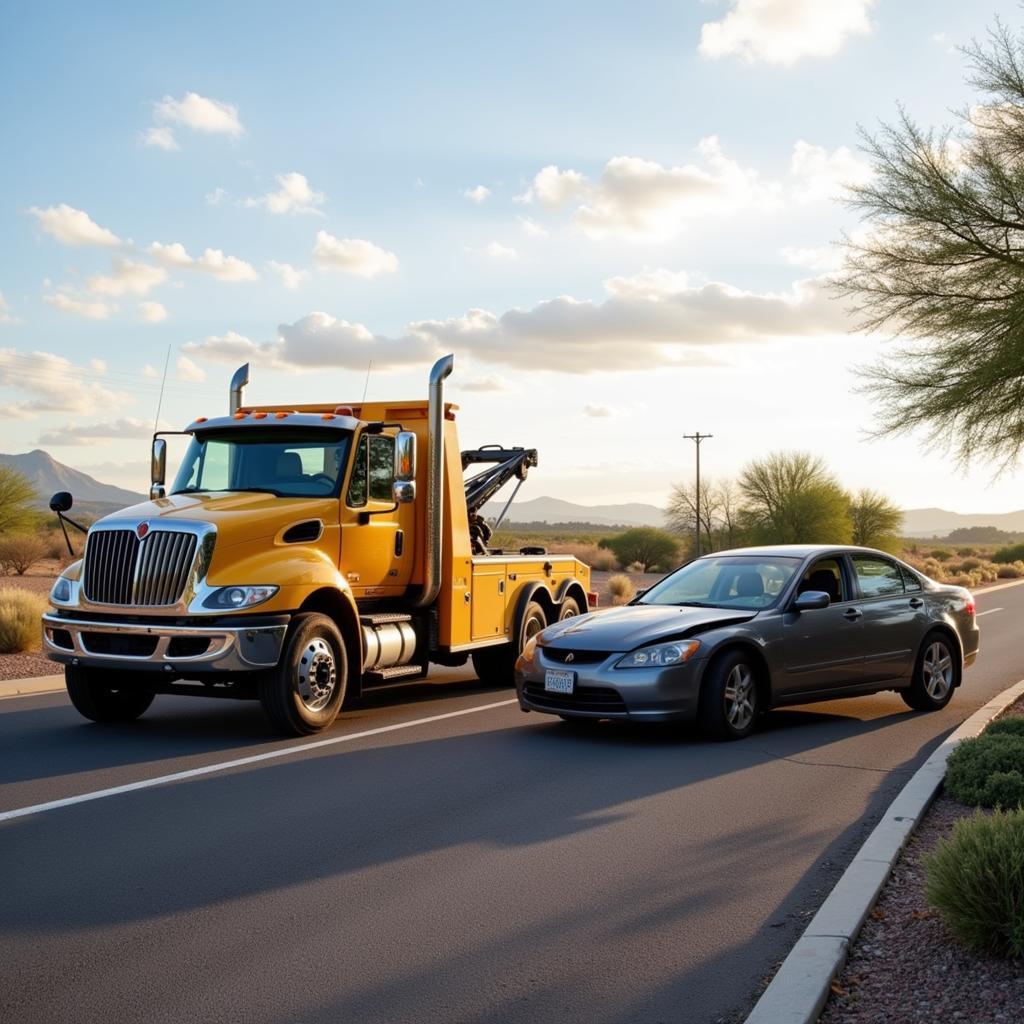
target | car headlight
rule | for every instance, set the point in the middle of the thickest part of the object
(61, 591)
(233, 598)
(529, 648)
(674, 653)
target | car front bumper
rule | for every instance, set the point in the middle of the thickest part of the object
(600, 690)
(240, 645)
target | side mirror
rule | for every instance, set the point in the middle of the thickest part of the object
(810, 600)
(403, 492)
(158, 468)
(60, 502)
(405, 457)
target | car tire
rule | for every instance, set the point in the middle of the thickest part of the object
(729, 699)
(103, 695)
(936, 674)
(498, 664)
(304, 693)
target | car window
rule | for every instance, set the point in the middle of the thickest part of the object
(910, 580)
(825, 575)
(877, 577)
(746, 582)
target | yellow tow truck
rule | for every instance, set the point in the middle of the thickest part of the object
(302, 554)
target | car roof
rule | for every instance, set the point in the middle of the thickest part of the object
(799, 550)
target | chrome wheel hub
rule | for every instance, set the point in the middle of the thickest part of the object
(937, 670)
(740, 697)
(317, 675)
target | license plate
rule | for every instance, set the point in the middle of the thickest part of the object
(557, 681)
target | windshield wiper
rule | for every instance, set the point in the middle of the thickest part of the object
(260, 490)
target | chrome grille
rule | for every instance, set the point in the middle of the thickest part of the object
(120, 569)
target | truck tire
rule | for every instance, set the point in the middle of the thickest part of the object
(304, 693)
(103, 695)
(569, 609)
(497, 664)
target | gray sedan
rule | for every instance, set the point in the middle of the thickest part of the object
(735, 633)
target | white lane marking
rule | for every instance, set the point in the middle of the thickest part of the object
(210, 769)
(989, 612)
(982, 591)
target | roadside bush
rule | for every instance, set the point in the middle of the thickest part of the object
(604, 561)
(970, 564)
(1010, 553)
(964, 579)
(596, 557)
(972, 766)
(975, 880)
(1012, 571)
(20, 551)
(941, 554)
(621, 589)
(965, 552)
(1009, 725)
(650, 547)
(20, 611)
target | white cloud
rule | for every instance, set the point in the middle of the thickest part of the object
(82, 434)
(212, 262)
(127, 277)
(90, 309)
(150, 372)
(73, 227)
(785, 31)
(532, 228)
(294, 196)
(201, 114)
(657, 319)
(162, 137)
(820, 258)
(354, 255)
(152, 312)
(644, 200)
(494, 251)
(490, 382)
(6, 317)
(52, 383)
(597, 411)
(290, 276)
(478, 194)
(942, 39)
(189, 371)
(823, 175)
(217, 196)
(97, 365)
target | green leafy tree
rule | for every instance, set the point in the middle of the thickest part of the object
(792, 498)
(876, 522)
(650, 547)
(17, 501)
(942, 265)
(719, 514)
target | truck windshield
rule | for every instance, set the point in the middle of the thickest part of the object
(290, 464)
(747, 582)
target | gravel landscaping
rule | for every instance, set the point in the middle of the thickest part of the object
(906, 968)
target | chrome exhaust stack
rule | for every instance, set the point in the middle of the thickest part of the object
(238, 383)
(435, 482)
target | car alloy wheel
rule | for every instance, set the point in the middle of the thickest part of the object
(739, 697)
(937, 670)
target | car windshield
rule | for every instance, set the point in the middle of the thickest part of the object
(290, 464)
(747, 582)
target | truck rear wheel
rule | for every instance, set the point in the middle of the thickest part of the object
(304, 693)
(106, 695)
(497, 664)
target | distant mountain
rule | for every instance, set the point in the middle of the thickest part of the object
(555, 510)
(49, 476)
(937, 522)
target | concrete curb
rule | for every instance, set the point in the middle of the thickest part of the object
(27, 687)
(800, 987)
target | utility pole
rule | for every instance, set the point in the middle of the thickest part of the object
(697, 438)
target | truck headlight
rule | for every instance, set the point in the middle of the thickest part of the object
(61, 591)
(655, 656)
(233, 598)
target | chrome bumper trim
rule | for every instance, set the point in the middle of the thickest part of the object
(242, 648)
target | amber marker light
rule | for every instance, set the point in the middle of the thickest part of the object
(259, 415)
(280, 415)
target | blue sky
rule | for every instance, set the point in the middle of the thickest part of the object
(645, 285)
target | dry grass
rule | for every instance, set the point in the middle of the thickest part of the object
(621, 589)
(20, 612)
(20, 551)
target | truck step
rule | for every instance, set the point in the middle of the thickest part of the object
(389, 675)
(384, 618)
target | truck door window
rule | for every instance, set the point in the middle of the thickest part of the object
(373, 472)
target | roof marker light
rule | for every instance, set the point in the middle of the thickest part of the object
(202, 419)
(343, 410)
(280, 415)
(327, 416)
(240, 415)
(259, 415)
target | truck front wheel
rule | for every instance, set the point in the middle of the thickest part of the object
(106, 695)
(304, 693)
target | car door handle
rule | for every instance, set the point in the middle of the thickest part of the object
(852, 614)
(916, 602)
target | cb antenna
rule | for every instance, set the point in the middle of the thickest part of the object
(366, 386)
(163, 384)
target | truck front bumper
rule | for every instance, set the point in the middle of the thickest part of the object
(239, 645)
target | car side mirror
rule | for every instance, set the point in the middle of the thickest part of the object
(158, 468)
(61, 502)
(811, 600)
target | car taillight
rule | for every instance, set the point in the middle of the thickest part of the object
(592, 598)
(970, 604)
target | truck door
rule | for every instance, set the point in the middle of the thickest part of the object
(376, 538)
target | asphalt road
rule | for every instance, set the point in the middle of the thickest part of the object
(489, 866)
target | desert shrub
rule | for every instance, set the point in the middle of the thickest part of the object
(1010, 553)
(966, 552)
(593, 555)
(975, 880)
(1013, 571)
(932, 568)
(963, 579)
(1008, 725)
(651, 547)
(941, 554)
(604, 561)
(970, 564)
(20, 551)
(20, 612)
(621, 589)
(972, 765)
